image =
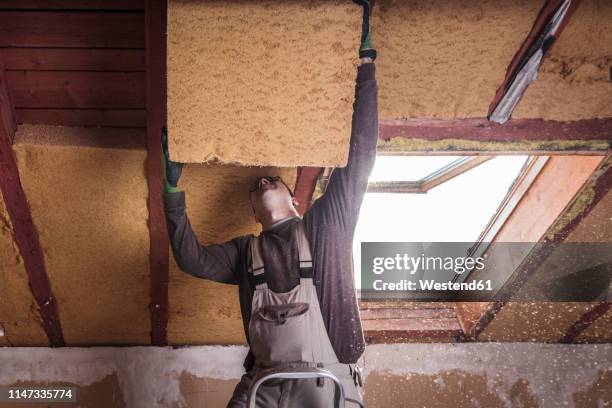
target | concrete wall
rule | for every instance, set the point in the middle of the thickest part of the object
(401, 375)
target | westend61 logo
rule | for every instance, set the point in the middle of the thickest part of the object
(412, 270)
(486, 271)
(412, 265)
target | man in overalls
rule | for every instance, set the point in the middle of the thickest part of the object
(296, 283)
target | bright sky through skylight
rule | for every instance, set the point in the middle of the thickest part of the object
(455, 211)
(402, 168)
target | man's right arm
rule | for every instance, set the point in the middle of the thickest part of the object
(217, 262)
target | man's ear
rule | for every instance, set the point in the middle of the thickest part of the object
(295, 202)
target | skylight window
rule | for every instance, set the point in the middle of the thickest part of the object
(457, 209)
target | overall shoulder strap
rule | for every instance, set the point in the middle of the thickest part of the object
(257, 269)
(304, 251)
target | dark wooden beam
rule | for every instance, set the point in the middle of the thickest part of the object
(73, 59)
(597, 187)
(481, 130)
(155, 28)
(81, 90)
(305, 185)
(544, 16)
(116, 118)
(25, 232)
(585, 321)
(82, 29)
(8, 122)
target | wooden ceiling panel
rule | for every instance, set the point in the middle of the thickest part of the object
(71, 29)
(75, 63)
(73, 59)
(73, 4)
(60, 89)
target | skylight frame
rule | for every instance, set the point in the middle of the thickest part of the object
(422, 186)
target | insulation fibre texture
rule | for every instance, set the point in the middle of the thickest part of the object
(217, 201)
(19, 318)
(599, 331)
(261, 83)
(90, 208)
(534, 321)
(575, 80)
(445, 59)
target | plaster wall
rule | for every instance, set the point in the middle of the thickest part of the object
(399, 375)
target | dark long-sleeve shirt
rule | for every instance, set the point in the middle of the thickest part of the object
(330, 225)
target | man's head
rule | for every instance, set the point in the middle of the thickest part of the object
(271, 198)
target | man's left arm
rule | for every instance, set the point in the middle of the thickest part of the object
(341, 202)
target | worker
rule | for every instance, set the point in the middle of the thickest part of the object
(296, 283)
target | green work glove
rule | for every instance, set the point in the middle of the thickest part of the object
(366, 50)
(172, 170)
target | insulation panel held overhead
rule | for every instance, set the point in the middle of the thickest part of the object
(261, 83)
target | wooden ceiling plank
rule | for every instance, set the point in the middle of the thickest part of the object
(60, 89)
(72, 5)
(71, 29)
(117, 118)
(155, 27)
(25, 232)
(73, 59)
(544, 16)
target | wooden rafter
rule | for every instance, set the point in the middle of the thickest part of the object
(155, 28)
(599, 184)
(544, 16)
(481, 130)
(585, 321)
(305, 185)
(551, 134)
(25, 232)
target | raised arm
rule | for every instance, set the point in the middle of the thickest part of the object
(342, 199)
(217, 262)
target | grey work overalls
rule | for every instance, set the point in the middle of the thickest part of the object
(287, 330)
